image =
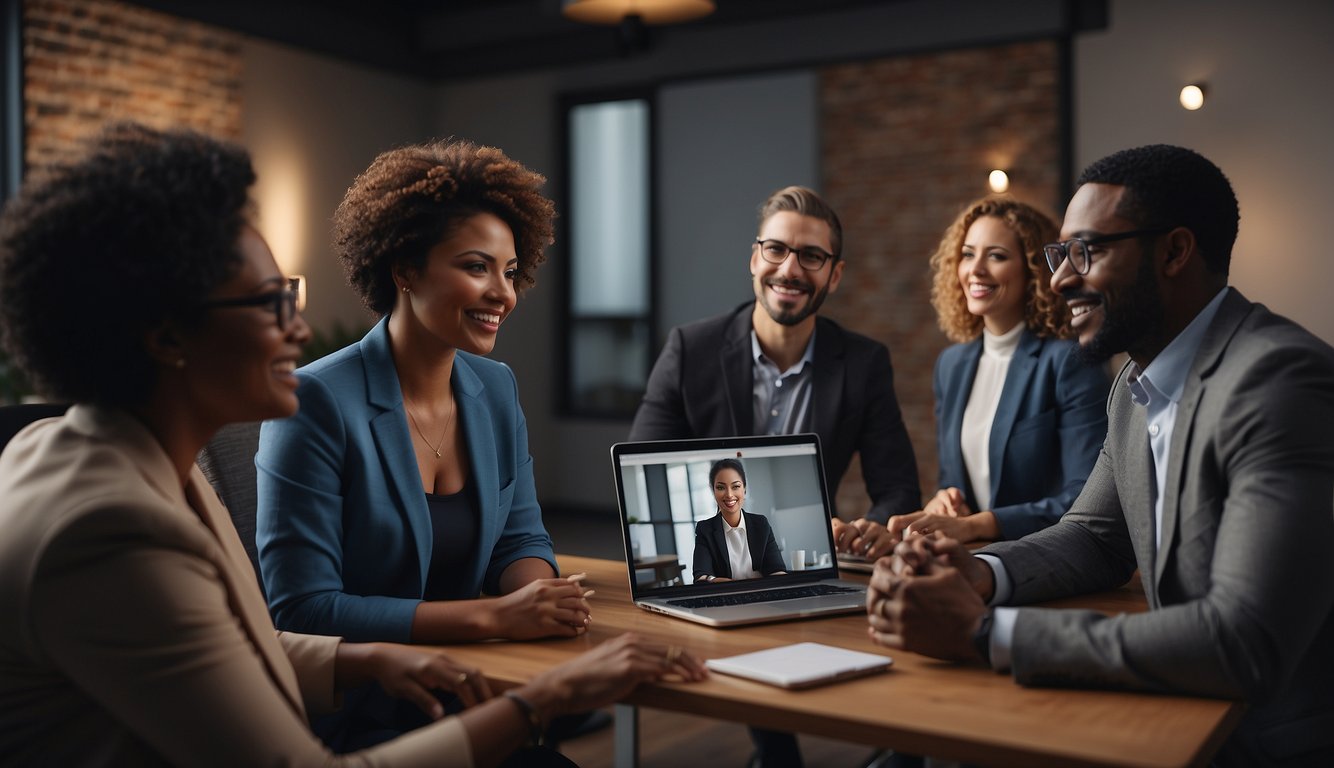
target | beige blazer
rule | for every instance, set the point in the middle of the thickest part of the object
(134, 632)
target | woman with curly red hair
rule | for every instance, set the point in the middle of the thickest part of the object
(402, 492)
(1019, 418)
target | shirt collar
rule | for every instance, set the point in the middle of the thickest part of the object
(757, 354)
(1167, 373)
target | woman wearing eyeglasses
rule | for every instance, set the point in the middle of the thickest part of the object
(1019, 417)
(133, 285)
(399, 504)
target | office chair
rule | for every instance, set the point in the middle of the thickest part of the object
(228, 461)
(14, 418)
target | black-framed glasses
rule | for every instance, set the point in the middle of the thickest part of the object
(810, 258)
(1077, 249)
(284, 302)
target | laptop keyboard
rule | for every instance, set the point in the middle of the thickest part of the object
(766, 596)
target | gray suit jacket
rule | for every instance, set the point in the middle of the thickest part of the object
(1241, 591)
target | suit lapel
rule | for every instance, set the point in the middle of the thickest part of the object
(1231, 312)
(1017, 378)
(830, 370)
(738, 371)
(394, 443)
(243, 588)
(479, 431)
(954, 399)
(724, 565)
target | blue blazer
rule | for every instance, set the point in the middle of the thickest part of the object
(342, 528)
(1049, 426)
(711, 556)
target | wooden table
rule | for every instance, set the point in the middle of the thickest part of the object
(921, 706)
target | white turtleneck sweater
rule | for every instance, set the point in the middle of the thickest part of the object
(997, 351)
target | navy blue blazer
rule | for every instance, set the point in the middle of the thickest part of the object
(343, 530)
(711, 548)
(1049, 426)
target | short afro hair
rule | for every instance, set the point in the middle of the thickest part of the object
(99, 249)
(1169, 186)
(1045, 313)
(410, 198)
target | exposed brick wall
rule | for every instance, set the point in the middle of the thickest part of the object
(87, 62)
(906, 143)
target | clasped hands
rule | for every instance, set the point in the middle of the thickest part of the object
(944, 513)
(929, 598)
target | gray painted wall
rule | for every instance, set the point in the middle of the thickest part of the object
(313, 123)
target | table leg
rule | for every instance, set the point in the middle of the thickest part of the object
(626, 739)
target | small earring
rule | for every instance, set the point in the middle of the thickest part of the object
(180, 362)
(407, 289)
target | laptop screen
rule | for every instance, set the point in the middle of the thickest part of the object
(714, 513)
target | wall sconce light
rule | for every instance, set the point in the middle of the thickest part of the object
(612, 12)
(1192, 96)
(999, 181)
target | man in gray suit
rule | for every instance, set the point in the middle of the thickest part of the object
(1214, 480)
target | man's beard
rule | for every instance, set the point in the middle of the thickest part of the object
(795, 316)
(1129, 316)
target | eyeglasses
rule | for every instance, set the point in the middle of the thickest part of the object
(284, 302)
(1077, 249)
(777, 251)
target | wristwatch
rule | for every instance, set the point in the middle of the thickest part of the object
(530, 714)
(982, 637)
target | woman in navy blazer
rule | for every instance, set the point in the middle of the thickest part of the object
(403, 488)
(1017, 411)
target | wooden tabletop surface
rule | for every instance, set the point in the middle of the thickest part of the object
(921, 705)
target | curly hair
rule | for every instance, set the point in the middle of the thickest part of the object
(410, 198)
(805, 202)
(1174, 187)
(98, 249)
(1045, 313)
(721, 464)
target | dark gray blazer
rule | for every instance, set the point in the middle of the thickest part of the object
(711, 548)
(1241, 592)
(703, 386)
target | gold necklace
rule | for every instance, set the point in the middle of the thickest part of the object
(434, 448)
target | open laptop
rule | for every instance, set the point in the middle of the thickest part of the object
(663, 492)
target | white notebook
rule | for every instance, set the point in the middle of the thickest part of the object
(801, 665)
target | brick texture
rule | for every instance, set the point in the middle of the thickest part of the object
(87, 62)
(906, 143)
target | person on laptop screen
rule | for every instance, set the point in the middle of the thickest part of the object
(773, 367)
(734, 544)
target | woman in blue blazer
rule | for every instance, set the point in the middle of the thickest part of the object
(402, 491)
(1020, 418)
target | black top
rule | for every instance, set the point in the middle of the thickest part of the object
(453, 540)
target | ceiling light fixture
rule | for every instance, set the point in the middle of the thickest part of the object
(612, 12)
(998, 181)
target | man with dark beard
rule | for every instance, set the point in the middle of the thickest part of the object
(1214, 481)
(775, 367)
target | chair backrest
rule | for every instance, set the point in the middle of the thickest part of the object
(14, 418)
(228, 461)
